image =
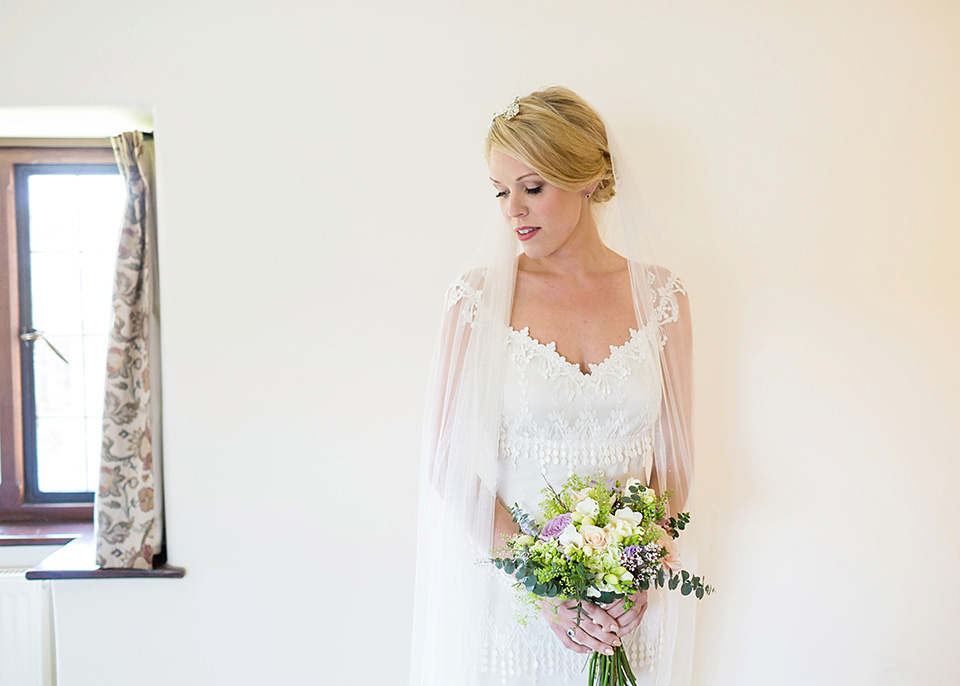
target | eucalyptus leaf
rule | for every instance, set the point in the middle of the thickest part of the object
(606, 597)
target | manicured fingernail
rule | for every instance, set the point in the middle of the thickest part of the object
(613, 628)
(617, 642)
(608, 651)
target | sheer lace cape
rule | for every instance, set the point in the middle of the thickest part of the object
(458, 484)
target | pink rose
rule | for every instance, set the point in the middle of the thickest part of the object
(593, 536)
(672, 558)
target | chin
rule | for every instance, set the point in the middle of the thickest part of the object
(531, 251)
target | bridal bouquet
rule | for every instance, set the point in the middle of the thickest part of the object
(599, 542)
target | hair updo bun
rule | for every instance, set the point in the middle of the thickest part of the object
(558, 135)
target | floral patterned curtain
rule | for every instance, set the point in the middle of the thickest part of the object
(129, 520)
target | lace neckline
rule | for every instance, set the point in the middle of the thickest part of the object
(593, 367)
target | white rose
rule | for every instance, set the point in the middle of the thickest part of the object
(588, 507)
(570, 536)
(620, 527)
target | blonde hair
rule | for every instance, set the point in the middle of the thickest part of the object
(558, 135)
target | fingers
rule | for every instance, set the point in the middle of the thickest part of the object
(599, 628)
(615, 609)
(566, 639)
(601, 619)
(631, 619)
(593, 638)
(596, 630)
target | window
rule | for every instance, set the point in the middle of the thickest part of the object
(60, 214)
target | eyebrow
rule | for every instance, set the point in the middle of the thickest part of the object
(519, 178)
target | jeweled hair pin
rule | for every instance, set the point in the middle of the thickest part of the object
(510, 111)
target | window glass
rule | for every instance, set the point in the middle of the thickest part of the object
(73, 227)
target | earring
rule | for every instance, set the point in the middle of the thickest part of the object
(587, 196)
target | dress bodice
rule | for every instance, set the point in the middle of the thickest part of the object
(556, 420)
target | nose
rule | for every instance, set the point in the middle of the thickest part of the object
(515, 205)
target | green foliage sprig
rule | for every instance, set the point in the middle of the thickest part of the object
(688, 584)
(527, 524)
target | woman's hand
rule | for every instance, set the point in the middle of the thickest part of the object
(598, 630)
(628, 620)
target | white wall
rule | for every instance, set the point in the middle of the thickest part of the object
(320, 173)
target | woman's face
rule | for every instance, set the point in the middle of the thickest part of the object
(544, 217)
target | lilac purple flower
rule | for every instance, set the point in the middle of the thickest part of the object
(555, 527)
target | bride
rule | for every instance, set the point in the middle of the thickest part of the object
(572, 356)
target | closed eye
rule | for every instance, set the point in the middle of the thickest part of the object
(533, 190)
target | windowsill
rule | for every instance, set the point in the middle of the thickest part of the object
(48, 533)
(76, 559)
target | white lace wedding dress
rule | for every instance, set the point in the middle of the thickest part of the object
(557, 421)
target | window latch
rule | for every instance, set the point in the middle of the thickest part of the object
(34, 335)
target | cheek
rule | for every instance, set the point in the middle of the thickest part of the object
(564, 209)
(566, 212)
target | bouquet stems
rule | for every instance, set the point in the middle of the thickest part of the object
(611, 670)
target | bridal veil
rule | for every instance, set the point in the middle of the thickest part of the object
(458, 482)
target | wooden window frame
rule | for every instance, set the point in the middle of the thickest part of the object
(14, 504)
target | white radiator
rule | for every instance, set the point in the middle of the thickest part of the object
(26, 631)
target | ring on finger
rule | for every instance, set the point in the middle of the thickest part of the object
(571, 633)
